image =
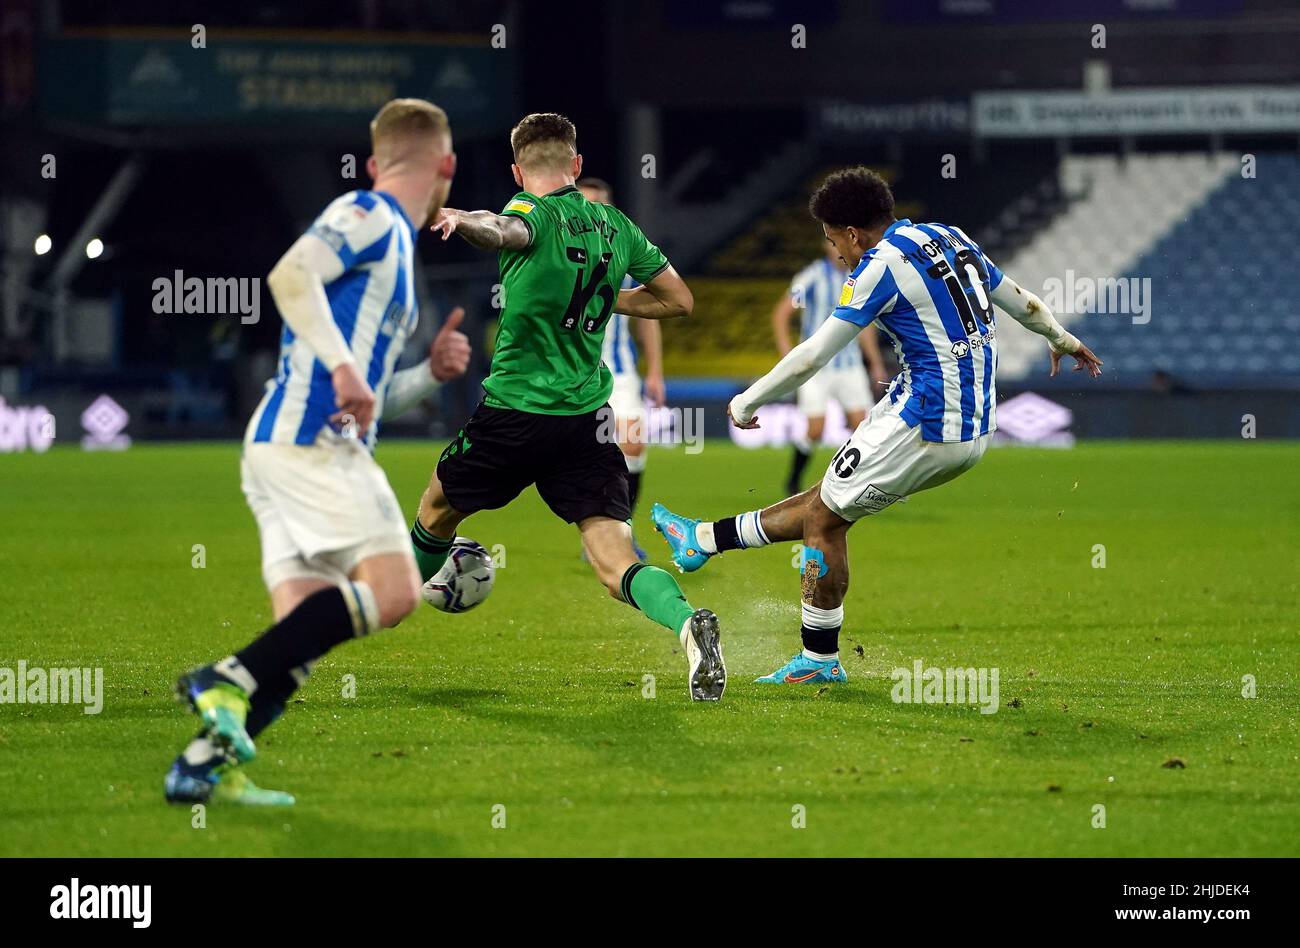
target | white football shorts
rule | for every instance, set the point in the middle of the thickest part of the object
(321, 509)
(849, 387)
(886, 460)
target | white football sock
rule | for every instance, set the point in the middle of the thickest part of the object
(234, 669)
(815, 618)
(362, 606)
(200, 751)
(819, 657)
(685, 633)
(704, 537)
(749, 528)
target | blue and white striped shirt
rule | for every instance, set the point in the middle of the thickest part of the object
(929, 285)
(814, 291)
(619, 350)
(374, 306)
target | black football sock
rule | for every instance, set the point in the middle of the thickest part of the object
(725, 535)
(270, 699)
(322, 620)
(821, 629)
(742, 532)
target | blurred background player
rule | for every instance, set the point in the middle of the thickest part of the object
(813, 294)
(336, 555)
(543, 420)
(630, 394)
(932, 289)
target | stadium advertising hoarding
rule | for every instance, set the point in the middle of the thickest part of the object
(1192, 110)
(844, 120)
(1018, 11)
(272, 82)
(25, 428)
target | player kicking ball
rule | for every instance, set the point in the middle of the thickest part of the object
(931, 290)
(544, 415)
(336, 555)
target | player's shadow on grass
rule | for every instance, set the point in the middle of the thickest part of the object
(617, 725)
(320, 836)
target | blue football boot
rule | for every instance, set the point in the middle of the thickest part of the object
(217, 781)
(679, 532)
(804, 670)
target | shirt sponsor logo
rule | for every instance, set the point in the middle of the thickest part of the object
(963, 347)
(873, 498)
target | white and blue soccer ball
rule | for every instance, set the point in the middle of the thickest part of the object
(464, 581)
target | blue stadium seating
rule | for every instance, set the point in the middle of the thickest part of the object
(1225, 293)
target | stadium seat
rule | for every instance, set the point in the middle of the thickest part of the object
(1200, 233)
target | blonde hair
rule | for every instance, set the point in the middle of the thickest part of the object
(544, 140)
(399, 122)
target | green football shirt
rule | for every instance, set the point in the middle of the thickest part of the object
(559, 292)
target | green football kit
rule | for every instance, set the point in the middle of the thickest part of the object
(544, 419)
(559, 293)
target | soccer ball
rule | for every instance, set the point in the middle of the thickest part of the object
(464, 580)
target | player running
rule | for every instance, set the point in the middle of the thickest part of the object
(336, 555)
(932, 290)
(620, 355)
(562, 260)
(813, 293)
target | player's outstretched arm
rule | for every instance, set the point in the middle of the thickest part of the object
(799, 365)
(297, 284)
(1032, 313)
(665, 297)
(483, 229)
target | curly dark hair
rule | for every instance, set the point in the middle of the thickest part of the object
(854, 197)
(544, 137)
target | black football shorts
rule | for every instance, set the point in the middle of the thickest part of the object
(573, 459)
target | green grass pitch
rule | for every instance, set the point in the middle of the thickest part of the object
(1110, 679)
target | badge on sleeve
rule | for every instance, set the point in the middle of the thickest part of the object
(846, 294)
(345, 218)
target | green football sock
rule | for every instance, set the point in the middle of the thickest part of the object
(657, 594)
(430, 551)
